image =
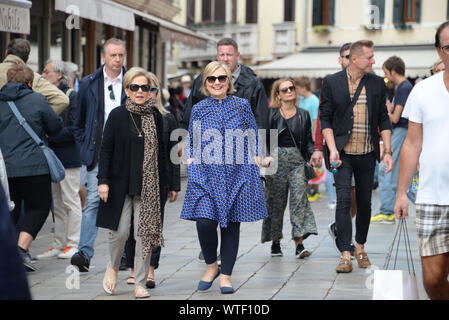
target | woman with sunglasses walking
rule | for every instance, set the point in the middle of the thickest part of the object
(132, 178)
(295, 147)
(224, 186)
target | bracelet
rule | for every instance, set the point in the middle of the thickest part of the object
(388, 152)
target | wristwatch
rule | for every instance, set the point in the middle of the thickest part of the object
(388, 151)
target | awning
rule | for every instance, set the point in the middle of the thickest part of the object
(104, 11)
(318, 64)
(170, 31)
(15, 16)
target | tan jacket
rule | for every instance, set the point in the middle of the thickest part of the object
(55, 97)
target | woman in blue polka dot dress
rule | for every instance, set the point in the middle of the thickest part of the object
(224, 185)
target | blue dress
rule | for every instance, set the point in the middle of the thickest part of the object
(223, 182)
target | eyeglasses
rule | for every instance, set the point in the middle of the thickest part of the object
(111, 92)
(212, 79)
(286, 89)
(445, 49)
(145, 88)
(346, 56)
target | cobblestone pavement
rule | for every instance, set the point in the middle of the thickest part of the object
(257, 275)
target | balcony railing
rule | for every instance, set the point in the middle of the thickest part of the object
(284, 39)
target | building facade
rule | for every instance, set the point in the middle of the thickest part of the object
(271, 33)
(70, 30)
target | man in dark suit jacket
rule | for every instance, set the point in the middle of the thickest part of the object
(98, 94)
(352, 110)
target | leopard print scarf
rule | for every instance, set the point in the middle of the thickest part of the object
(150, 226)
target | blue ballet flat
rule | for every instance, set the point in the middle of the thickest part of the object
(204, 285)
(227, 290)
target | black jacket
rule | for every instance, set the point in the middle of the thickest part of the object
(114, 165)
(23, 157)
(247, 87)
(64, 144)
(300, 127)
(335, 112)
(174, 170)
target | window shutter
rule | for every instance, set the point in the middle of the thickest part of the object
(317, 13)
(331, 12)
(398, 12)
(220, 11)
(418, 10)
(206, 10)
(381, 5)
(190, 12)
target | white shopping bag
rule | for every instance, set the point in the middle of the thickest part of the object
(394, 285)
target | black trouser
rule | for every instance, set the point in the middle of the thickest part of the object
(208, 236)
(363, 167)
(35, 192)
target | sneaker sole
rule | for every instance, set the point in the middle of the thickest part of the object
(277, 255)
(29, 267)
(46, 258)
(333, 237)
(304, 254)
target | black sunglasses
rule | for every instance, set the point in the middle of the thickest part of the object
(145, 88)
(346, 56)
(286, 89)
(212, 79)
(111, 93)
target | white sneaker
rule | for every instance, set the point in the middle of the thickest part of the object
(50, 253)
(332, 205)
(67, 253)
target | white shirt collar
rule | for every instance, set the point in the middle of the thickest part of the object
(107, 79)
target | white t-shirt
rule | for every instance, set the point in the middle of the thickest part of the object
(110, 104)
(428, 104)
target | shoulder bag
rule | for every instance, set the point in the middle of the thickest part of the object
(57, 171)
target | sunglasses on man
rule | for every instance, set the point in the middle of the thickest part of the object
(221, 79)
(145, 88)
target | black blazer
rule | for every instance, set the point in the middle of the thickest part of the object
(114, 165)
(335, 112)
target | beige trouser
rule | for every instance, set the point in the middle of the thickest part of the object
(117, 241)
(67, 210)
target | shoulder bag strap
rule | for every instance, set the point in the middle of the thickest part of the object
(24, 123)
(240, 111)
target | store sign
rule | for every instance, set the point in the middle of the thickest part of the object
(14, 19)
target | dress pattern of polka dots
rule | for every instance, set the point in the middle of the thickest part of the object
(221, 189)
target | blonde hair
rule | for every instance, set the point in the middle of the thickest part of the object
(275, 101)
(211, 68)
(151, 77)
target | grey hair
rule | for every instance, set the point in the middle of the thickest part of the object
(62, 68)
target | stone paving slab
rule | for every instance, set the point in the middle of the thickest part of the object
(257, 275)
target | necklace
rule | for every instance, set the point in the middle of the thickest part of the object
(284, 115)
(139, 131)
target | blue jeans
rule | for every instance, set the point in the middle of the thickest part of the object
(89, 229)
(388, 183)
(330, 187)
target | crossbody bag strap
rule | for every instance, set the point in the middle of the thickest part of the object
(241, 113)
(357, 92)
(24, 123)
